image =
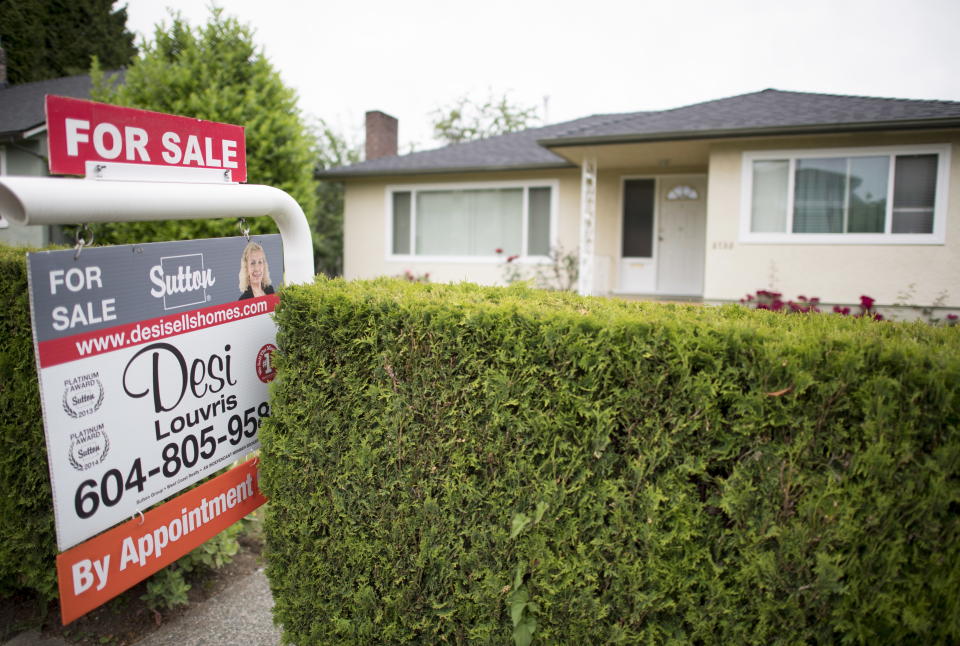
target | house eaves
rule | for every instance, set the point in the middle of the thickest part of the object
(352, 173)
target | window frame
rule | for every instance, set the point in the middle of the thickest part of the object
(936, 237)
(493, 258)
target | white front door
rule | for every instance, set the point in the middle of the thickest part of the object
(681, 235)
(663, 235)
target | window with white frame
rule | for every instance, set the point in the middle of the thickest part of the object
(863, 195)
(472, 220)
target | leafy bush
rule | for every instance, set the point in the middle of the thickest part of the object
(28, 544)
(454, 464)
(168, 588)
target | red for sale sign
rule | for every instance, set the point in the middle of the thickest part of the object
(83, 131)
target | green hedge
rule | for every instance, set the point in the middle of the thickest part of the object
(28, 544)
(445, 463)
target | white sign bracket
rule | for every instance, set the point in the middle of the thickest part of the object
(117, 171)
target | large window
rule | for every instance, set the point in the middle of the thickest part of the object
(472, 221)
(846, 196)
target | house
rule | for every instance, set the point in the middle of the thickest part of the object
(23, 141)
(807, 194)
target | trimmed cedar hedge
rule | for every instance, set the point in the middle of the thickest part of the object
(465, 465)
(28, 544)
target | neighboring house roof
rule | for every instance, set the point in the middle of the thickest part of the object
(760, 113)
(22, 106)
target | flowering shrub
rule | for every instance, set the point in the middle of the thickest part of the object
(559, 273)
(414, 278)
(773, 301)
(866, 309)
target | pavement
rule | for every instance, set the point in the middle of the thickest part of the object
(239, 616)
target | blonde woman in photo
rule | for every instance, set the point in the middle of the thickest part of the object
(254, 272)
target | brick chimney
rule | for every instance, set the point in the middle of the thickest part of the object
(381, 131)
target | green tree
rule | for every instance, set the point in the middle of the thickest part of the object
(217, 73)
(47, 39)
(332, 150)
(467, 119)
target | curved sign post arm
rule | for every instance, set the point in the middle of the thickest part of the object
(43, 200)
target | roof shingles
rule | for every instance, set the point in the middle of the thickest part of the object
(766, 111)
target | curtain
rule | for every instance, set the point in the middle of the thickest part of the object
(769, 204)
(469, 223)
(538, 229)
(819, 195)
(401, 223)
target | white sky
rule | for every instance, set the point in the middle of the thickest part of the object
(410, 57)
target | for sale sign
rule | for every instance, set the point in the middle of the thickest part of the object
(154, 362)
(82, 131)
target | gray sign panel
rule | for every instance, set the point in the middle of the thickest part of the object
(108, 286)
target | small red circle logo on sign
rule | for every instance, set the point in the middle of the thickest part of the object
(265, 370)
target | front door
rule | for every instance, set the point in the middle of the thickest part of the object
(681, 235)
(663, 235)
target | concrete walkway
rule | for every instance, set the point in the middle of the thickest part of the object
(238, 616)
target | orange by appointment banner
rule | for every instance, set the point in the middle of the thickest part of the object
(96, 571)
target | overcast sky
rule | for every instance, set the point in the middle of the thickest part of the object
(410, 57)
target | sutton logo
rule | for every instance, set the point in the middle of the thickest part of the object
(181, 281)
(88, 448)
(82, 395)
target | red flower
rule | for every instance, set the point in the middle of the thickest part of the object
(952, 317)
(866, 302)
(499, 250)
(512, 258)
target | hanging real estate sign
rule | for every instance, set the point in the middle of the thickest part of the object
(154, 362)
